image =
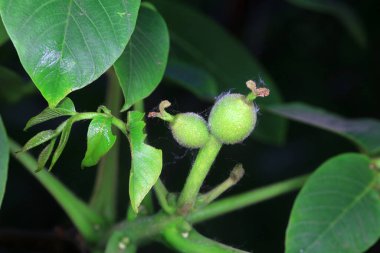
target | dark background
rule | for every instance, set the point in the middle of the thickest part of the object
(311, 57)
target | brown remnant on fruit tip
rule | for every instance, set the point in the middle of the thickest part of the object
(153, 114)
(162, 113)
(259, 92)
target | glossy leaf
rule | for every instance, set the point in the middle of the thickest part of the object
(338, 209)
(100, 140)
(62, 141)
(192, 78)
(38, 139)
(365, 133)
(194, 242)
(45, 155)
(3, 33)
(142, 65)
(339, 10)
(199, 40)
(64, 108)
(4, 159)
(66, 44)
(146, 161)
(13, 87)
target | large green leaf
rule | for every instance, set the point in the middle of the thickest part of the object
(100, 140)
(338, 209)
(200, 41)
(4, 159)
(3, 33)
(142, 65)
(192, 78)
(339, 10)
(66, 44)
(363, 132)
(13, 87)
(146, 161)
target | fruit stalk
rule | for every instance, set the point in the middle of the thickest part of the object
(198, 173)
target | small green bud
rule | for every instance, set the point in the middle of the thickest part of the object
(188, 129)
(233, 117)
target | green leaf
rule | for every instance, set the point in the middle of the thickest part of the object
(38, 139)
(45, 155)
(67, 104)
(199, 40)
(64, 108)
(4, 159)
(146, 161)
(142, 65)
(365, 133)
(13, 87)
(340, 10)
(3, 33)
(194, 242)
(66, 44)
(338, 209)
(62, 141)
(192, 78)
(100, 140)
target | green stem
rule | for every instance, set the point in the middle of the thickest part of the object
(235, 176)
(146, 228)
(192, 241)
(104, 195)
(245, 199)
(87, 221)
(90, 115)
(142, 229)
(198, 173)
(139, 106)
(162, 193)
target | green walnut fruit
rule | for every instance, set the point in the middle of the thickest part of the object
(190, 130)
(232, 118)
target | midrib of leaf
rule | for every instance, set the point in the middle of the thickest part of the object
(354, 202)
(93, 25)
(109, 19)
(87, 46)
(65, 30)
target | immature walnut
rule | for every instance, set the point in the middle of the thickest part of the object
(189, 130)
(232, 118)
